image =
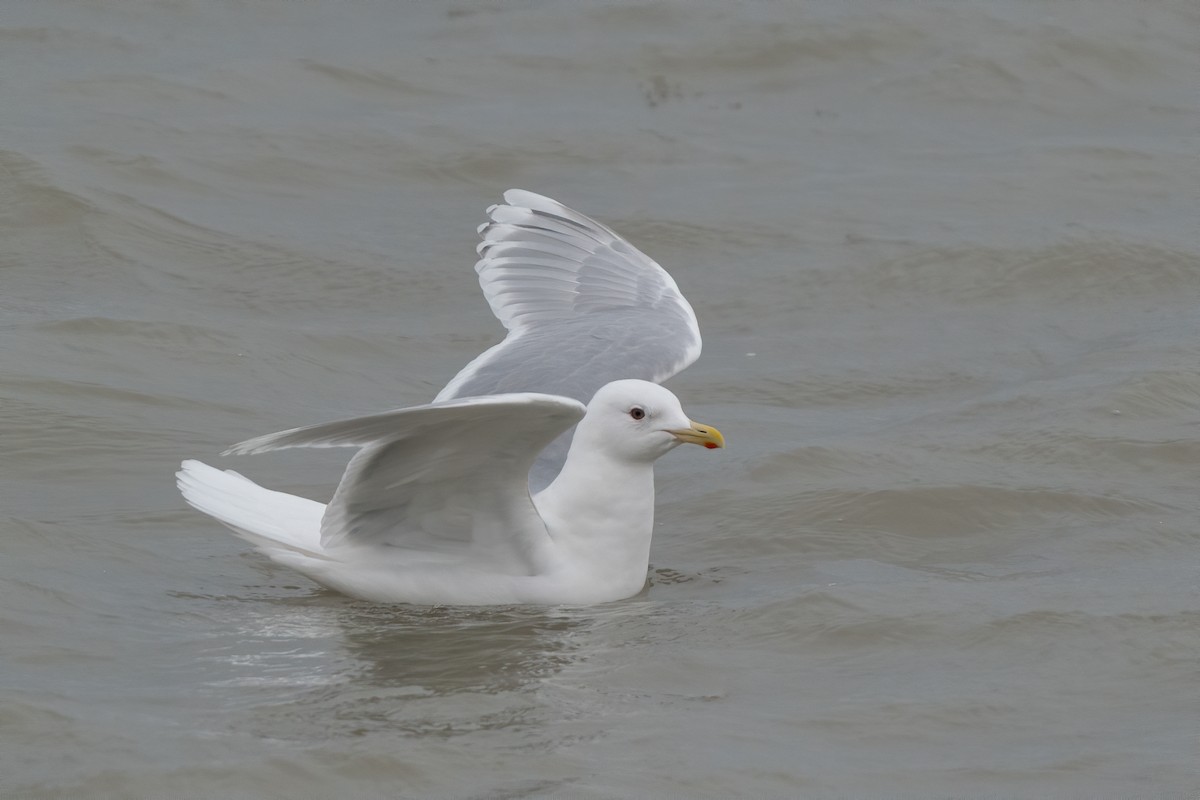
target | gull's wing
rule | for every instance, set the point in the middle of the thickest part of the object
(448, 477)
(582, 307)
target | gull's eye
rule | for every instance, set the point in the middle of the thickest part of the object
(637, 412)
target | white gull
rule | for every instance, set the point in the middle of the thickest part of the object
(506, 489)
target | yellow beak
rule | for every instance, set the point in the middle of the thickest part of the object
(706, 435)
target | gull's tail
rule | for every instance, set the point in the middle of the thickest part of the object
(285, 527)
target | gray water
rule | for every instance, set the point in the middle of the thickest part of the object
(946, 259)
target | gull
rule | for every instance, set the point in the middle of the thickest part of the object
(529, 479)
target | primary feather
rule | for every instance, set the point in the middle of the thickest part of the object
(582, 307)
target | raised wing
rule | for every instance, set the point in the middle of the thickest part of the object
(582, 306)
(444, 478)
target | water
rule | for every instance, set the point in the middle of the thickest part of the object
(946, 260)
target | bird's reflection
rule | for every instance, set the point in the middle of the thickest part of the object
(447, 650)
(313, 664)
(318, 665)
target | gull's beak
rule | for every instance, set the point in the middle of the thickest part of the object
(706, 435)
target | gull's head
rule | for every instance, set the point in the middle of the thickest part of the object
(640, 421)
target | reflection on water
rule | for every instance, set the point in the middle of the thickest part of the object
(349, 668)
(443, 651)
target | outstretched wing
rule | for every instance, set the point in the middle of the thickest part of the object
(582, 306)
(448, 477)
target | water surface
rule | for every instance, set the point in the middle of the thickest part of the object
(946, 262)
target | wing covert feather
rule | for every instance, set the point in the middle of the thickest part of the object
(443, 477)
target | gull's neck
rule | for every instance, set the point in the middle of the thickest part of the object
(599, 513)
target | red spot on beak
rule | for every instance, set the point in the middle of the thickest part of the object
(711, 445)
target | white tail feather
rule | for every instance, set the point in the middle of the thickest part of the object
(277, 524)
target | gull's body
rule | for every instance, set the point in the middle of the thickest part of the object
(505, 489)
